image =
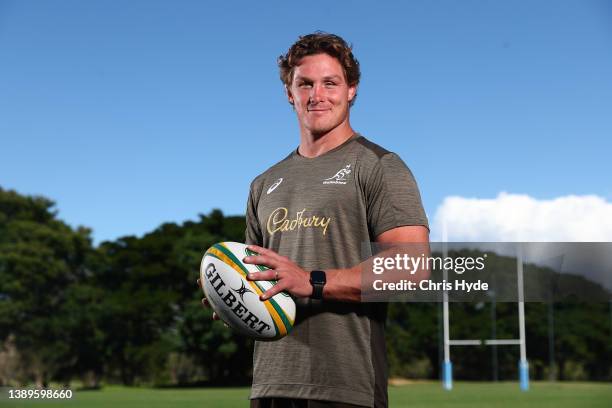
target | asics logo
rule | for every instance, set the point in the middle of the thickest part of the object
(273, 186)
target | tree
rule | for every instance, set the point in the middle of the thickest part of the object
(40, 256)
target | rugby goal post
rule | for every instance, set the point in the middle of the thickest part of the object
(523, 365)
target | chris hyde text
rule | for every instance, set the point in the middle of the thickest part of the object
(428, 285)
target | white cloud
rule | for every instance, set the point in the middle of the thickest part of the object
(521, 218)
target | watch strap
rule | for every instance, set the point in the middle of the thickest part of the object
(317, 280)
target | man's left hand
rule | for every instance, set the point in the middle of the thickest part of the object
(291, 278)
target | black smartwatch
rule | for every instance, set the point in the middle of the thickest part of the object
(317, 280)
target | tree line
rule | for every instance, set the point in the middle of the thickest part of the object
(128, 311)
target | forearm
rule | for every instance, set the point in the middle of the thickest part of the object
(343, 285)
(348, 285)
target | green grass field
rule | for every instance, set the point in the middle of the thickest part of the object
(426, 394)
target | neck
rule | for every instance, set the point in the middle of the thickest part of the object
(313, 145)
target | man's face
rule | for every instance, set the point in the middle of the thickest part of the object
(320, 94)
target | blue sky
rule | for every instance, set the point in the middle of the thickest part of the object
(129, 114)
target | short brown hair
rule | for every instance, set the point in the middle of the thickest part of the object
(320, 43)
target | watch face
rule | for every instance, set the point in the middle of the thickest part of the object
(317, 277)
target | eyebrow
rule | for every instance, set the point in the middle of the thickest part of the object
(326, 78)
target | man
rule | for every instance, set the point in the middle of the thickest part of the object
(307, 218)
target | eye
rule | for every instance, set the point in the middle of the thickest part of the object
(330, 83)
(304, 85)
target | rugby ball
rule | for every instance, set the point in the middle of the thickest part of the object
(236, 299)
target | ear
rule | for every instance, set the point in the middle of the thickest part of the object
(352, 91)
(289, 95)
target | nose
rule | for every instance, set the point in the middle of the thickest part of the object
(317, 93)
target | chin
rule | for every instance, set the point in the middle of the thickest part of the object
(320, 128)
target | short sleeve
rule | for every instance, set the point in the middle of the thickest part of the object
(252, 234)
(393, 198)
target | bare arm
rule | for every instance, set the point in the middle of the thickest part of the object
(342, 284)
(345, 284)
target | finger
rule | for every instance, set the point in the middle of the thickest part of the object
(262, 250)
(264, 275)
(199, 283)
(272, 292)
(261, 260)
(205, 302)
(215, 316)
(222, 321)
